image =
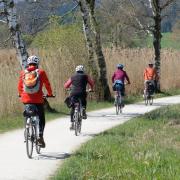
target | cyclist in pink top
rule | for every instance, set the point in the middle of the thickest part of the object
(119, 77)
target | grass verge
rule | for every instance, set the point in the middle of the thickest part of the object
(148, 147)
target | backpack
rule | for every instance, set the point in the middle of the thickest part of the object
(31, 81)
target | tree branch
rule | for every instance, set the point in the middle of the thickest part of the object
(168, 2)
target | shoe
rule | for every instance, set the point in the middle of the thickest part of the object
(84, 115)
(41, 142)
(72, 126)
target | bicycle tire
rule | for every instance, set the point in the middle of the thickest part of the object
(38, 148)
(151, 100)
(29, 137)
(117, 109)
(120, 108)
(146, 99)
(79, 123)
(76, 122)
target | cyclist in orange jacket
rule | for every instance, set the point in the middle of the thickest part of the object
(150, 75)
(34, 95)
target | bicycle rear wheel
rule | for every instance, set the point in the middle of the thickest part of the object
(29, 137)
(146, 99)
(76, 122)
(79, 123)
(117, 109)
(151, 100)
(38, 148)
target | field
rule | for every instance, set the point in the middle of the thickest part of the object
(147, 147)
(60, 66)
(169, 40)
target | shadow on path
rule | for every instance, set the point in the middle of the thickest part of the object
(53, 156)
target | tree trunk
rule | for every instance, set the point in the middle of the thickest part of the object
(157, 40)
(14, 27)
(99, 52)
(92, 66)
(87, 33)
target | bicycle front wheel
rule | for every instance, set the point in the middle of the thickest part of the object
(29, 137)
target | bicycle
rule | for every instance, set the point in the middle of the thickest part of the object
(77, 113)
(77, 116)
(118, 102)
(149, 94)
(31, 132)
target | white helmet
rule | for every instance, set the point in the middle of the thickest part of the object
(33, 60)
(80, 68)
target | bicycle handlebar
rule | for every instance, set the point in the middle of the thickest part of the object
(47, 96)
(88, 90)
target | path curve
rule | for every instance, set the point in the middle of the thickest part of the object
(61, 142)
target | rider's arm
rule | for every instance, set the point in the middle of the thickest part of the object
(91, 83)
(46, 82)
(20, 84)
(127, 78)
(68, 83)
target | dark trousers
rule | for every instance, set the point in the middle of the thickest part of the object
(41, 115)
(74, 98)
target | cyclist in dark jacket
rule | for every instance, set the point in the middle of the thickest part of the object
(78, 83)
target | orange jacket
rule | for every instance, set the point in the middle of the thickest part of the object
(150, 74)
(36, 98)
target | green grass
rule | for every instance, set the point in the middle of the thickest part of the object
(167, 41)
(147, 147)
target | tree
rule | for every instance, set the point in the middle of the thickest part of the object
(9, 14)
(148, 15)
(93, 41)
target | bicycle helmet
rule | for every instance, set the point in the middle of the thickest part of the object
(33, 60)
(151, 63)
(120, 66)
(80, 68)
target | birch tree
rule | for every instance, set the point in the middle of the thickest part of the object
(91, 28)
(9, 14)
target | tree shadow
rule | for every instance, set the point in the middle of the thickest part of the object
(89, 134)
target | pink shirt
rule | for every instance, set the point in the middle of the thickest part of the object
(120, 75)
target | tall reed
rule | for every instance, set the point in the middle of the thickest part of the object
(60, 65)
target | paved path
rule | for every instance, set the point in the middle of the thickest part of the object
(60, 141)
